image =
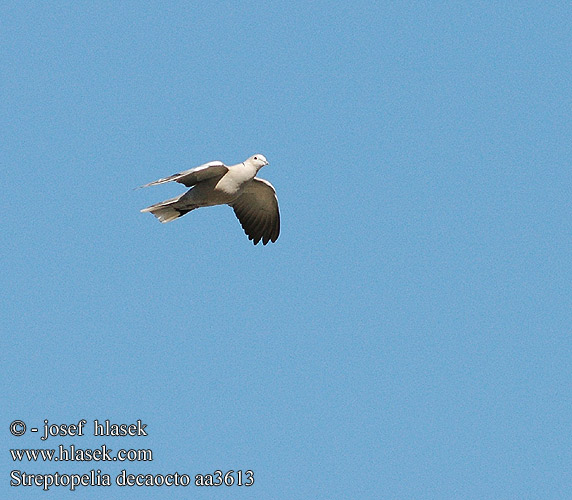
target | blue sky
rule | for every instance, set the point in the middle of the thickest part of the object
(407, 336)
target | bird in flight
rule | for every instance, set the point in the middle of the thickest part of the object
(253, 199)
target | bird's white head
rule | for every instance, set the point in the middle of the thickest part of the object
(258, 161)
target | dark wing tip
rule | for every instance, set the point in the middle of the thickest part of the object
(258, 213)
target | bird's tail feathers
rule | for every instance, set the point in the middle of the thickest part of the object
(166, 211)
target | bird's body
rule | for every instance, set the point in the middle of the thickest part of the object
(253, 199)
(222, 190)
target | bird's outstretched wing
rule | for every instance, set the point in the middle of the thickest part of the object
(194, 175)
(257, 211)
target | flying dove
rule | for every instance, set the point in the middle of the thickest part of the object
(253, 199)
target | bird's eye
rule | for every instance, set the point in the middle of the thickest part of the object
(256, 157)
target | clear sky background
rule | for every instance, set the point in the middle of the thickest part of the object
(409, 334)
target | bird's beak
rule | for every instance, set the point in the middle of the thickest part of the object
(266, 164)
